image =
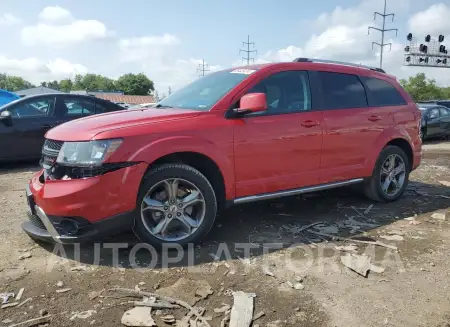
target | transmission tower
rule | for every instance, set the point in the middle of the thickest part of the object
(248, 51)
(382, 30)
(202, 68)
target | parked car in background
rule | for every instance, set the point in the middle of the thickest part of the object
(234, 136)
(143, 105)
(445, 103)
(24, 122)
(435, 121)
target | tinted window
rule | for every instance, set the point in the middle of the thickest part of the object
(445, 103)
(32, 108)
(434, 113)
(103, 106)
(77, 107)
(382, 93)
(341, 91)
(444, 112)
(285, 92)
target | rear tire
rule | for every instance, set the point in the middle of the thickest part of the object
(170, 211)
(388, 182)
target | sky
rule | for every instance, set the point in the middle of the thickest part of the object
(44, 40)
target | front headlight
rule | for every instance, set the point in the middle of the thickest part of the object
(87, 154)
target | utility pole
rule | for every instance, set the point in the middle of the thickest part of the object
(248, 51)
(202, 68)
(382, 30)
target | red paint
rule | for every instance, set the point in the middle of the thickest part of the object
(254, 154)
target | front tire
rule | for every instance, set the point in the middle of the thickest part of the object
(176, 205)
(390, 176)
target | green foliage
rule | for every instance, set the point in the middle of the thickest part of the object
(136, 84)
(421, 88)
(93, 82)
(13, 83)
(66, 85)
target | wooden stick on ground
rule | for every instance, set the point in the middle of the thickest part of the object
(393, 247)
(156, 305)
(33, 322)
(163, 298)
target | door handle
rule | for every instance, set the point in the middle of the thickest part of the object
(374, 118)
(310, 123)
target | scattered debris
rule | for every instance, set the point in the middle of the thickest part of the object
(26, 255)
(258, 315)
(415, 222)
(299, 286)
(377, 269)
(139, 317)
(168, 319)
(78, 268)
(204, 291)
(268, 272)
(393, 247)
(156, 305)
(82, 314)
(8, 305)
(331, 229)
(5, 297)
(439, 216)
(19, 294)
(188, 290)
(33, 322)
(223, 309)
(357, 263)
(94, 294)
(445, 183)
(277, 323)
(368, 209)
(225, 320)
(43, 312)
(59, 284)
(348, 248)
(63, 290)
(394, 237)
(23, 302)
(7, 321)
(242, 311)
(166, 299)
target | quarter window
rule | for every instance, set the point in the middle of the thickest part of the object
(382, 93)
(285, 92)
(342, 91)
(444, 112)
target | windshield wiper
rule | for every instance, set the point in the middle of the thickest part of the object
(161, 106)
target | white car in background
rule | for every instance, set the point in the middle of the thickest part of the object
(143, 105)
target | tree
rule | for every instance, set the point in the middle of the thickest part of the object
(66, 85)
(13, 83)
(93, 82)
(420, 88)
(134, 84)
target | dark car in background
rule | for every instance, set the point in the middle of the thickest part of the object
(435, 120)
(445, 103)
(24, 122)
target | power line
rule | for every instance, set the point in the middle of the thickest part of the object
(382, 30)
(202, 68)
(248, 51)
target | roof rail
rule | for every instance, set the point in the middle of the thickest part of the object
(323, 61)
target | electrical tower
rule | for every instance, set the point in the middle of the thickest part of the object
(431, 53)
(382, 30)
(248, 51)
(202, 68)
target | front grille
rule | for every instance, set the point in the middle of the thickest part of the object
(36, 221)
(50, 152)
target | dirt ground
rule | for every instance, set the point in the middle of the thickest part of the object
(296, 275)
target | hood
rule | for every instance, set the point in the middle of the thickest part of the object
(84, 129)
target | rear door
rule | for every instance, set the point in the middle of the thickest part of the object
(31, 119)
(70, 107)
(354, 117)
(445, 120)
(434, 122)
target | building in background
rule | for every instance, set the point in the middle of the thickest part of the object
(118, 97)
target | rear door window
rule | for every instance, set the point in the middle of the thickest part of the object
(382, 93)
(78, 107)
(342, 91)
(444, 112)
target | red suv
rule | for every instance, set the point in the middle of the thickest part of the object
(233, 136)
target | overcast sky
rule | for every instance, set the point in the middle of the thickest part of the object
(44, 40)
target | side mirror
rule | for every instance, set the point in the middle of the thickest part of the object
(5, 116)
(253, 102)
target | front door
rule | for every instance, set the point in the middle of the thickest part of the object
(279, 149)
(31, 119)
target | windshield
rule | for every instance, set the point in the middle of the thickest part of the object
(203, 93)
